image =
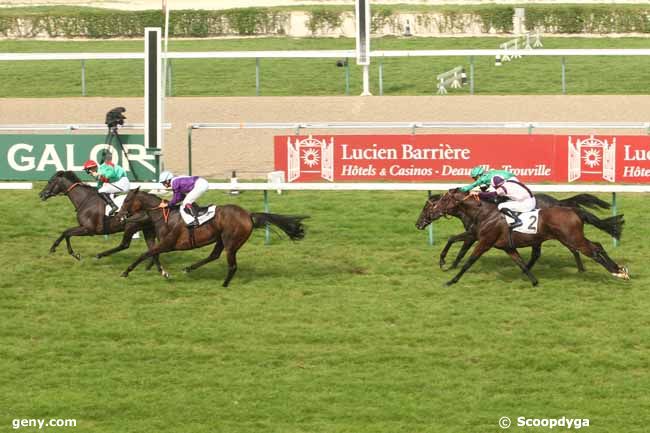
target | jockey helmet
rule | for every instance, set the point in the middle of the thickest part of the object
(165, 176)
(477, 171)
(497, 181)
(90, 164)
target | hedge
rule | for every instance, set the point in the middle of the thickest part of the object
(100, 23)
(596, 19)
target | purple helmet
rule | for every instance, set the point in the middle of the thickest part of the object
(497, 181)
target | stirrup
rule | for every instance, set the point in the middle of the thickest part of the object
(515, 224)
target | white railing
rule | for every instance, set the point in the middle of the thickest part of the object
(70, 126)
(422, 125)
(296, 54)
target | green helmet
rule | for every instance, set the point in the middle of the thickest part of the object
(477, 171)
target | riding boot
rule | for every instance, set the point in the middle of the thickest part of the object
(107, 198)
(517, 221)
(193, 210)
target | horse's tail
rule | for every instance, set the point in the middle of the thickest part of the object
(612, 225)
(587, 200)
(291, 225)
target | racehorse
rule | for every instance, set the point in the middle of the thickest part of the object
(90, 210)
(613, 225)
(559, 223)
(229, 229)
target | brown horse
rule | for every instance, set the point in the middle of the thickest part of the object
(228, 230)
(612, 226)
(559, 223)
(91, 217)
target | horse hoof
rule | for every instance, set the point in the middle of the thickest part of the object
(98, 256)
(187, 270)
(76, 256)
(441, 263)
(124, 274)
(52, 250)
(449, 283)
(165, 274)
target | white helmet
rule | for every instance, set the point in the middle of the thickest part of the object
(165, 176)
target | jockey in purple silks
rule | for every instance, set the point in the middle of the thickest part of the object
(521, 199)
(186, 189)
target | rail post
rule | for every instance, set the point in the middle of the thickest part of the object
(267, 230)
(189, 150)
(430, 225)
(614, 213)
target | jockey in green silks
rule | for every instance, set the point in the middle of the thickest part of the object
(483, 178)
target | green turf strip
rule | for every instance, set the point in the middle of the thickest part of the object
(281, 77)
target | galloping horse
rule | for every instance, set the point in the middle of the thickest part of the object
(559, 223)
(612, 226)
(229, 229)
(91, 217)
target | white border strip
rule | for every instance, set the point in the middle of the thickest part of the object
(16, 185)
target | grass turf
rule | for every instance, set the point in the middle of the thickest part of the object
(349, 330)
(401, 76)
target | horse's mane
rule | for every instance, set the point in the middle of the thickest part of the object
(70, 175)
(146, 196)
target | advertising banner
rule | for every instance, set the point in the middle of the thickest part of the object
(450, 157)
(39, 156)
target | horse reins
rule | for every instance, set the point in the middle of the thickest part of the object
(165, 212)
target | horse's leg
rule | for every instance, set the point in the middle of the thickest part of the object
(233, 242)
(514, 255)
(596, 251)
(232, 266)
(214, 255)
(163, 247)
(126, 242)
(481, 248)
(463, 250)
(150, 238)
(537, 251)
(76, 231)
(450, 241)
(579, 264)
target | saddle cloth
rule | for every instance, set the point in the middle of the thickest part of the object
(118, 200)
(203, 216)
(530, 222)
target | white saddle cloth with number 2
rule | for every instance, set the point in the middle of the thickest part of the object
(530, 222)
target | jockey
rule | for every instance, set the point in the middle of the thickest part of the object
(483, 178)
(520, 198)
(186, 189)
(111, 179)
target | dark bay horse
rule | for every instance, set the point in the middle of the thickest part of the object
(90, 215)
(612, 226)
(559, 223)
(228, 230)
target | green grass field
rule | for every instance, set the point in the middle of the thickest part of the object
(401, 76)
(350, 330)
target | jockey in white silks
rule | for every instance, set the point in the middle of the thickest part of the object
(520, 198)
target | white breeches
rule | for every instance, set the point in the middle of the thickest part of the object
(519, 206)
(122, 185)
(200, 187)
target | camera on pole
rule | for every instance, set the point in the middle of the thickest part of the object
(114, 119)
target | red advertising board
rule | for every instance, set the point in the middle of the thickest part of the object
(450, 157)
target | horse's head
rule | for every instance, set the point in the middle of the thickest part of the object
(59, 183)
(132, 208)
(425, 217)
(437, 206)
